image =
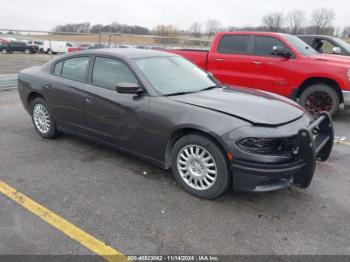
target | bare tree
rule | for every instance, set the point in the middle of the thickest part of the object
(196, 29)
(322, 20)
(273, 22)
(168, 34)
(96, 28)
(212, 26)
(346, 32)
(296, 21)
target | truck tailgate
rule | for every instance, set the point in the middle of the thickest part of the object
(198, 57)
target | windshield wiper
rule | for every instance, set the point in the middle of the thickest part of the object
(181, 93)
(212, 87)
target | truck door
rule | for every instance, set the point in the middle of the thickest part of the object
(272, 73)
(231, 62)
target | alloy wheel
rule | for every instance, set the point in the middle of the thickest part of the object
(41, 118)
(197, 167)
(318, 101)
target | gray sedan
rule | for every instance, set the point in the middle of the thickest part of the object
(160, 107)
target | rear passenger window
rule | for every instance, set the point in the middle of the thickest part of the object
(234, 44)
(265, 44)
(109, 72)
(58, 69)
(75, 68)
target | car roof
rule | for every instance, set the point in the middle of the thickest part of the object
(258, 33)
(127, 52)
(316, 36)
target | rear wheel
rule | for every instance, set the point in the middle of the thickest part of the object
(200, 167)
(318, 98)
(27, 51)
(4, 51)
(42, 118)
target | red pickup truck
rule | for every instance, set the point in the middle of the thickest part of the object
(277, 63)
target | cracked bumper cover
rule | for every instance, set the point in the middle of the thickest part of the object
(315, 143)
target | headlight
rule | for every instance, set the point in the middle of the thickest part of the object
(269, 146)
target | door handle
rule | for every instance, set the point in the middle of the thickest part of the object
(256, 63)
(48, 86)
(219, 59)
(89, 99)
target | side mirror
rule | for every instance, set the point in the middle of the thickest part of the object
(128, 88)
(281, 51)
(336, 50)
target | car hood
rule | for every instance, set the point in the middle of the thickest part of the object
(254, 106)
(332, 58)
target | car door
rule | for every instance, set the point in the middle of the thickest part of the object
(65, 90)
(231, 62)
(272, 73)
(114, 117)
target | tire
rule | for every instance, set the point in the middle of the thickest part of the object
(195, 169)
(27, 51)
(49, 51)
(318, 98)
(41, 114)
(4, 51)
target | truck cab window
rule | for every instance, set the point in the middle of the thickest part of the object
(265, 44)
(234, 44)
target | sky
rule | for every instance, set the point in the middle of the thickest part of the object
(46, 14)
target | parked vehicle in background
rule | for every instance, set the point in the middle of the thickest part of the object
(16, 46)
(4, 41)
(126, 46)
(162, 108)
(85, 46)
(278, 63)
(39, 44)
(327, 44)
(98, 46)
(58, 47)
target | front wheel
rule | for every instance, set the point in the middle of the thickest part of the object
(318, 98)
(200, 167)
(42, 119)
(4, 51)
(27, 51)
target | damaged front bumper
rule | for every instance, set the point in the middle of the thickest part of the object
(315, 142)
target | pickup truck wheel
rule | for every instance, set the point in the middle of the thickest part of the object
(27, 51)
(318, 98)
(4, 51)
(199, 167)
(42, 118)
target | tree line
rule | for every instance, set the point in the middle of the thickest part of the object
(320, 21)
(114, 27)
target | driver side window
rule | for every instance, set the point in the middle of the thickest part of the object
(108, 72)
(265, 44)
(327, 47)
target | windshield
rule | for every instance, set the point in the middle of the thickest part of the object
(173, 75)
(300, 45)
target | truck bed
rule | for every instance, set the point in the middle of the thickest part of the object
(198, 57)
